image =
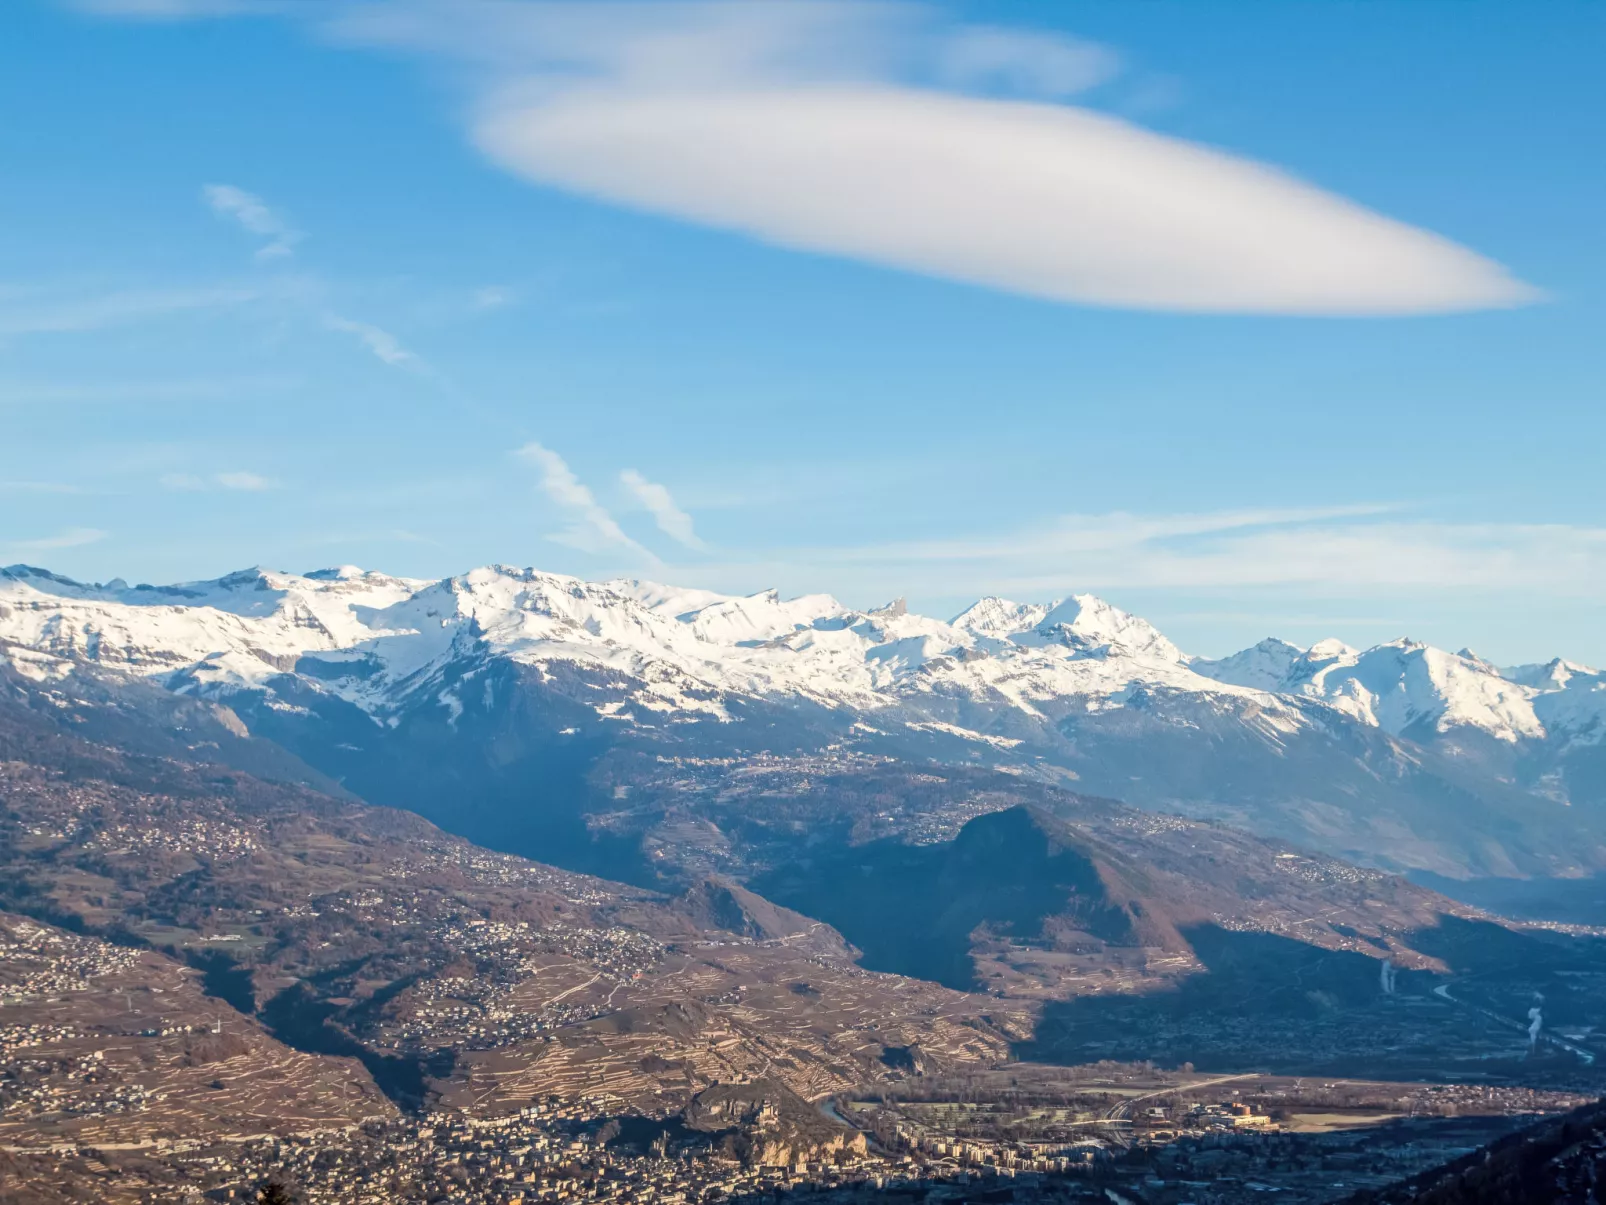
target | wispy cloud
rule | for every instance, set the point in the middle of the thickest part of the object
(1080, 535)
(660, 503)
(1024, 63)
(591, 527)
(250, 482)
(280, 238)
(35, 311)
(379, 341)
(253, 214)
(1351, 552)
(23, 393)
(492, 297)
(412, 537)
(44, 315)
(72, 537)
(239, 480)
(1359, 559)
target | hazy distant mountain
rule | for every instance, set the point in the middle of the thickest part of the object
(488, 701)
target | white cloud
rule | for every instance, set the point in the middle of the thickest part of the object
(376, 339)
(413, 537)
(1052, 202)
(1353, 552)
(1084, 535)
(1024, 63)
(253, 214)
(1360, 558)
(845, 129)
(251, 482)
(191, 482)
(592, 528)
(656, 499)
(72, 537)
(808, 126)
(492, 297)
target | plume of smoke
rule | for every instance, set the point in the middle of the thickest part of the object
(1536, 1022)
(1386, 976)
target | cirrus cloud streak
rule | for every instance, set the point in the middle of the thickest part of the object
(591, 527)
(660, 503)
(72, 537)
(1355, 552)
(253, 216)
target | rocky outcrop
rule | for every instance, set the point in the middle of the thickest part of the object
(766, 1124)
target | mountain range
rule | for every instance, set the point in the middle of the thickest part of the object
(955, 909)
(745, 854)
(535, 712)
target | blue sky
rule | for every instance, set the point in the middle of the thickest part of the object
(1255, 319)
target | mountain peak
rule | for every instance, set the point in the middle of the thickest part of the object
(1554, 674)
(999, 617)
(386, 642)
(20, 572)
(1330, 649)
(1264, 666)
(1088, 619)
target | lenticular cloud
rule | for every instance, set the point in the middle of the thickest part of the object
(846, 128)
(1045, 200)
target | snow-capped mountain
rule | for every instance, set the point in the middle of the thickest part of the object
(503, 681)
(1404, 686)
(382, 642)
(378, 641)
(1263, 666)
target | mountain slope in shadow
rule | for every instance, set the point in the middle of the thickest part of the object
(917, 910)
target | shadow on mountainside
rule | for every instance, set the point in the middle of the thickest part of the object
(1277, 1004)
(912, 909)
(302, 1021)
(1259, 1002)
(501, 780)
(1575, 901)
